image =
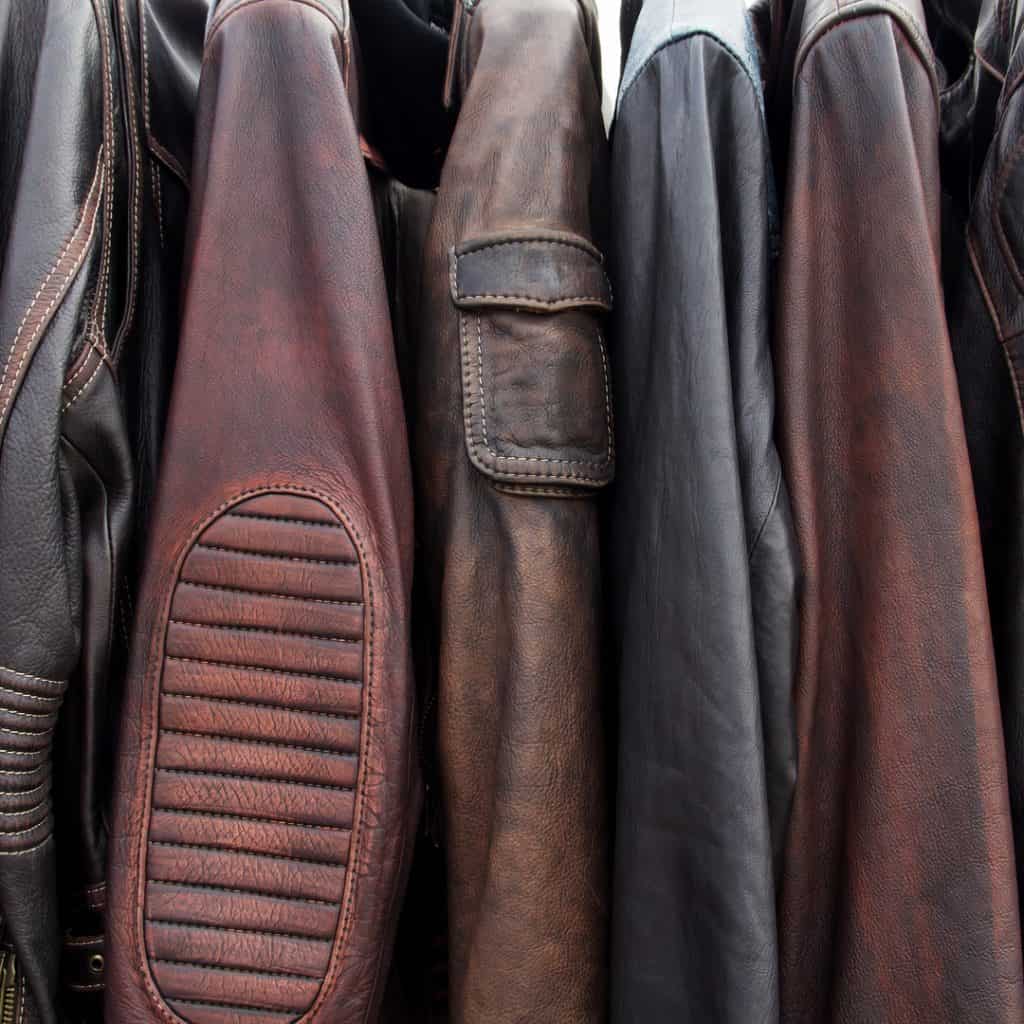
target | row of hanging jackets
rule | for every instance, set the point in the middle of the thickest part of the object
(458, 567)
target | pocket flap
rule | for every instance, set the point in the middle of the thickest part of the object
(543, 271)
(536, 393)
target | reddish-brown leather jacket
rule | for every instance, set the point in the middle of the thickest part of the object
(267, 790)
(899, 900)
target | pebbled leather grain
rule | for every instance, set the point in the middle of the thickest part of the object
(899, 900)
(273, 618)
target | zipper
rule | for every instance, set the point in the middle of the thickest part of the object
(8, 987)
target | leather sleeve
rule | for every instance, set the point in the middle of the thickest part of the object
(266, 790)
(703, 568)
(65, 471)
(513, 438)
(899, 900)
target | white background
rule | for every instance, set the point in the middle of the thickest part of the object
(608, 21)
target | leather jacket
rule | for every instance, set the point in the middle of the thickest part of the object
(702, 573)
(512, 440)
(69, 245)
(267, 786)
(985, 303)
(899, 899)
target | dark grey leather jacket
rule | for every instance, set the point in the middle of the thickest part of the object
(703, 575)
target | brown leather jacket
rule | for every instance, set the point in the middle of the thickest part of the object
(513, 439)
(899, 900)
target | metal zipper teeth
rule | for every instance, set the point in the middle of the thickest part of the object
(8, 987)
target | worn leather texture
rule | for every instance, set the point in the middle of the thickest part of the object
(899, 899)
(702, 558)
(267, 786)
(507, 522)
(68, 274)
(986, 319)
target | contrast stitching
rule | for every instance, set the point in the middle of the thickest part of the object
(593, 464)
(136, 184)
(34, 809)
(32, 696)
(97, 183)
(220, 737)
(282, 519)
(103, 285)
(261, 704)
(144, 34)
(93, 350)
(5, 731)
(35, 679)
(237, 931)
(27, 849)
(154, 170)
(561, 300)
(567, 243)
(279, 557)
(265, 668)
(247, 853)
(81, 391)
(26, 714)
(269, 593)
(44, 823)
(265, 630)
(139, 878)
(45, 784)
(233, 970)
(248, 818)
(183, 884)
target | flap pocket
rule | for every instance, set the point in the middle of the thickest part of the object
(535, 378)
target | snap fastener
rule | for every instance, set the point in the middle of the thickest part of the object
(96, 963)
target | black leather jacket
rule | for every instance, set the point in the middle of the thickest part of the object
(985, 307)
(703, 574)
(93, 186)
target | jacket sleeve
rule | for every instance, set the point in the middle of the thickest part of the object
(702, 573)
(899, 900)
(266, 792)
(513, 440)
(65, 480)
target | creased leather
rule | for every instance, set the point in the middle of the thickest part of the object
(284, 486)
(702, 569)
(899, 900)
(509, 556)
(985, 303)
(65, 465)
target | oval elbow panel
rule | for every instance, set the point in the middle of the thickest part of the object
(261, 724)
